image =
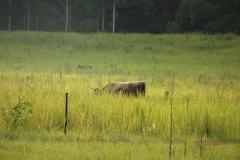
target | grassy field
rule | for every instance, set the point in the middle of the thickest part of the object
(36, 69)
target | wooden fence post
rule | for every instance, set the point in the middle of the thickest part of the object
(66, 114)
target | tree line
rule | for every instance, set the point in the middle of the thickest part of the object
(152, 16)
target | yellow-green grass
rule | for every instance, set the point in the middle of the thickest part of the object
(55, 145)
(38, 68)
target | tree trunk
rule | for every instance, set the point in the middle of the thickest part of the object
(13, 22)
(70, 16)
(9, 15)
(97, 24)
(24, 21)
(103, 20)
(36, 23)
(114, 16)
(67, 15)
(29, 15)
(36, 20)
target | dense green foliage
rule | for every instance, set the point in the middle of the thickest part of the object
(154, 16)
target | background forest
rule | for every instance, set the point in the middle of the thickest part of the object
(152, 16)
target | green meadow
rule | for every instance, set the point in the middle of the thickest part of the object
(38, 68)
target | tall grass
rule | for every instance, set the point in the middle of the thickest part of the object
(38, 68)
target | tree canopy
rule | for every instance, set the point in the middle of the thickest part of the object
(151, 16)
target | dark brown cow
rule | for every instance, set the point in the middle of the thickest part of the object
(126, 88)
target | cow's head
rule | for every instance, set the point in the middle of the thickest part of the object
(96, 90)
